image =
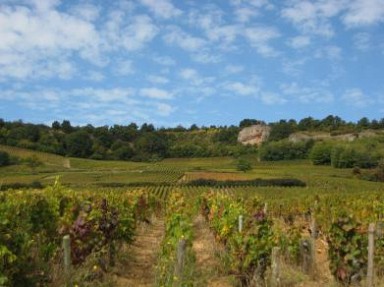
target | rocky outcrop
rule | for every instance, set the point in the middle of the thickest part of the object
(301, 136)
(254, 135)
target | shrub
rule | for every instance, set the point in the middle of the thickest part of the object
(33, 161)
(4, 158)
(244, 165)
(349, 157)
(285, 150)
(320, 154)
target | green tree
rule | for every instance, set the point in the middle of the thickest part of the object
(331, 123)
(124, 152)
(281, 130)
(285, 150)
(56, 125)
(308, 124)
(33, 161)
(363, 123)
(244, 165)
(249, 122)
(4, 158)
(227, 135)
(153, 144)
(79, 144)
(321, 154)
(194, 127)
(66, 127)
(147, 128)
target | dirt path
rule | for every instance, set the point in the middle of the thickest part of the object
(138, 269)
(207, 263)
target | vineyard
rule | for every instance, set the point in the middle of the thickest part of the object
(190, 223)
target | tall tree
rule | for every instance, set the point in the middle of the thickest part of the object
(79, 144)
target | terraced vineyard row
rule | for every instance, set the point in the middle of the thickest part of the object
(100, 222)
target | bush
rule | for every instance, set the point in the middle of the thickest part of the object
(4, 158)
(285, 150)
(124, 153)
(33, 161)
(349, 157)
(321, 154)
(244, 165)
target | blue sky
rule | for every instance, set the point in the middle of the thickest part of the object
(171, 62)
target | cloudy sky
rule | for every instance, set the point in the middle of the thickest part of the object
(171, 62)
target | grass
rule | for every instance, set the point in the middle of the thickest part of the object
(86, 172)
(49, 159)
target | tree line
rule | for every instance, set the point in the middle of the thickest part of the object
(146, 142)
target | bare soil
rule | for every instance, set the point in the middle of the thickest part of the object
(208, 266)
(138, 268)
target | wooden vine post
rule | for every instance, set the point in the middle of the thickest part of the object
(181, 246)
(265, 209)
(371, 251)
(275, 266)
(308, 246)
(67, 260)
(313, 237)
(240, 223)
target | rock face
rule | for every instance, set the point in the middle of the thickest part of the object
(254, 135)
(349, 137)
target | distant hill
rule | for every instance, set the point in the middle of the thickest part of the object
(349, 137)
(147, 143)
(45, 158)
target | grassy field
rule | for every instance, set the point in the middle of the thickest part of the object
(85, 172)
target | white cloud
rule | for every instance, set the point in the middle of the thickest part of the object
(162, 8)
(164, 60)
(43, 6)
(362, 41)
(299, 42)
(95, 76)
(164, 109)
(62, 69)
(33, 100)
(155, 93)
(313, 16)
(245, 14)
(225, 34)
(356, 97)
(121, 95)
(254, 3)
(269, 98)
(234, 69)
(40, 43)
(215, 28)
(86, 11)
(155, 79)
(259, 37)
(124, 67)
(178, 37)
(189, 74)
(242, 89)
(207, 58)
(364, 12)
(294, 67)
(206, 19)
(329, 52)
(141, 31)
(21, 29)
(196, 84)
(307, 95)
